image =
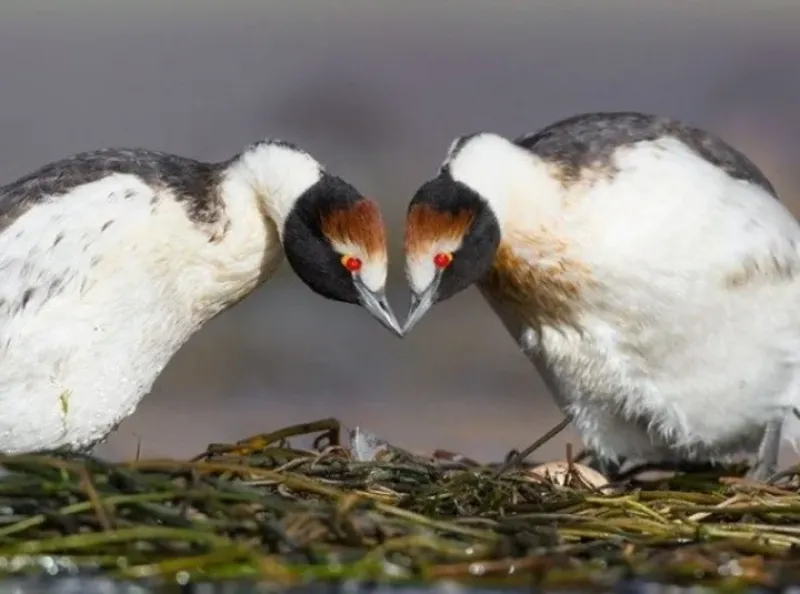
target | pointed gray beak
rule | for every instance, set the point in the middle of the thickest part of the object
(421, 303)
(377, 305)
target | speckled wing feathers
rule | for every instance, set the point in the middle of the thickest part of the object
(192, 182)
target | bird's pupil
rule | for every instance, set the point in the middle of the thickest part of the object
(441, 260)
(352, 264)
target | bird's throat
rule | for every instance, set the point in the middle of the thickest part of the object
(542, 294)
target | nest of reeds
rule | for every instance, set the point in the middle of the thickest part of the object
(262, 509)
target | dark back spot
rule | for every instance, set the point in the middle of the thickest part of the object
(55, 287)
(591, 140)
(27, 296)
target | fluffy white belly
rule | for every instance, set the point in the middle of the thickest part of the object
(71, 386)
(670, 393)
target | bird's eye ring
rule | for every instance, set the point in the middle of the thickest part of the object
(442, 259)
(352, 263)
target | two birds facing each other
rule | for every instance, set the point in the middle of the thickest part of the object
(644, 266)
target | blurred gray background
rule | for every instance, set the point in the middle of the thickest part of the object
(375, 89)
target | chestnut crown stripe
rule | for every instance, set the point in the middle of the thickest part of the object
(359, 224)
(426, 224)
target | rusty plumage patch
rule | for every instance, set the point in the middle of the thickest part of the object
(425, 224)
(360, 224)
(551, 295)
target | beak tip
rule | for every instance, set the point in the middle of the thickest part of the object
(393, 325)
(420, 304)
(377, 305)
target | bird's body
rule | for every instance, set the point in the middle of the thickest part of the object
(111, 260)
(651, 275)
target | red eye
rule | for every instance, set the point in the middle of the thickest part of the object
(352, 263)
(442, 260)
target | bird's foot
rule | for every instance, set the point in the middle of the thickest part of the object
(762, 471)
(766, 464)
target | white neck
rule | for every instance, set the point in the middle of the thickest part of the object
(275, 175)
(258, 190)
(508, 177)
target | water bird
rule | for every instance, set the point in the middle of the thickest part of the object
(111, 259)
(645, 267)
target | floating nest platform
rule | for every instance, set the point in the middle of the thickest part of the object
(367, 511)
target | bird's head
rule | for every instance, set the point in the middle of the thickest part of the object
(333, 237)
(451, 237)
(335, 242)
